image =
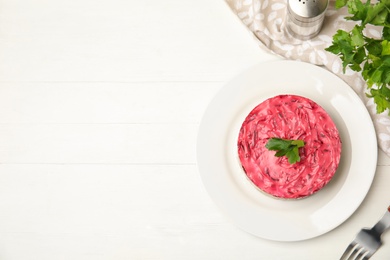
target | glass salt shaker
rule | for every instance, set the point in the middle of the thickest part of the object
(305, 17)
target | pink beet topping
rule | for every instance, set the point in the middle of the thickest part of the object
(289, 117)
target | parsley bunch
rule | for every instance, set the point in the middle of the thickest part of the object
(367, 55)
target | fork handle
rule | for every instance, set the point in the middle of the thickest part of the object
(383, 224)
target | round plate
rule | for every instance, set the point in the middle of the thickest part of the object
(265, 216)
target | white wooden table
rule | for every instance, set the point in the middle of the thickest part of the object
(100, 102)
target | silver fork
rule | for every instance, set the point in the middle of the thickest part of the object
(367, 241)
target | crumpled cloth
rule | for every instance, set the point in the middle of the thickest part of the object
(266, 19)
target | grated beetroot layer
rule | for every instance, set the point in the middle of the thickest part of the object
(289, 117)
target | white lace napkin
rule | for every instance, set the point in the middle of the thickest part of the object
(266, 19)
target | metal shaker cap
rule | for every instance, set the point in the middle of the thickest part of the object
(307, 10)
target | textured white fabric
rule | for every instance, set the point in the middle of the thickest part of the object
(266, 19)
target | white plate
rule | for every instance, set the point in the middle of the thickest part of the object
(228, 186)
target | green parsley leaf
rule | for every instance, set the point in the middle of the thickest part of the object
(386, 76)
(340, 3)
(285, 147)
(293, 155)
(385, 48)
(381, 98)
(380, 17)
(374, 47)
(356, 36)
(386, 33)
(358, 9)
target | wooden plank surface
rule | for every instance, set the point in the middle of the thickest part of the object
(100, 103)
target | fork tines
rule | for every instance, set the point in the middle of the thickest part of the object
(355, 251)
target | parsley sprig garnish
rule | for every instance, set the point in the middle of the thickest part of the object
(367, 55)
(285, 147)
